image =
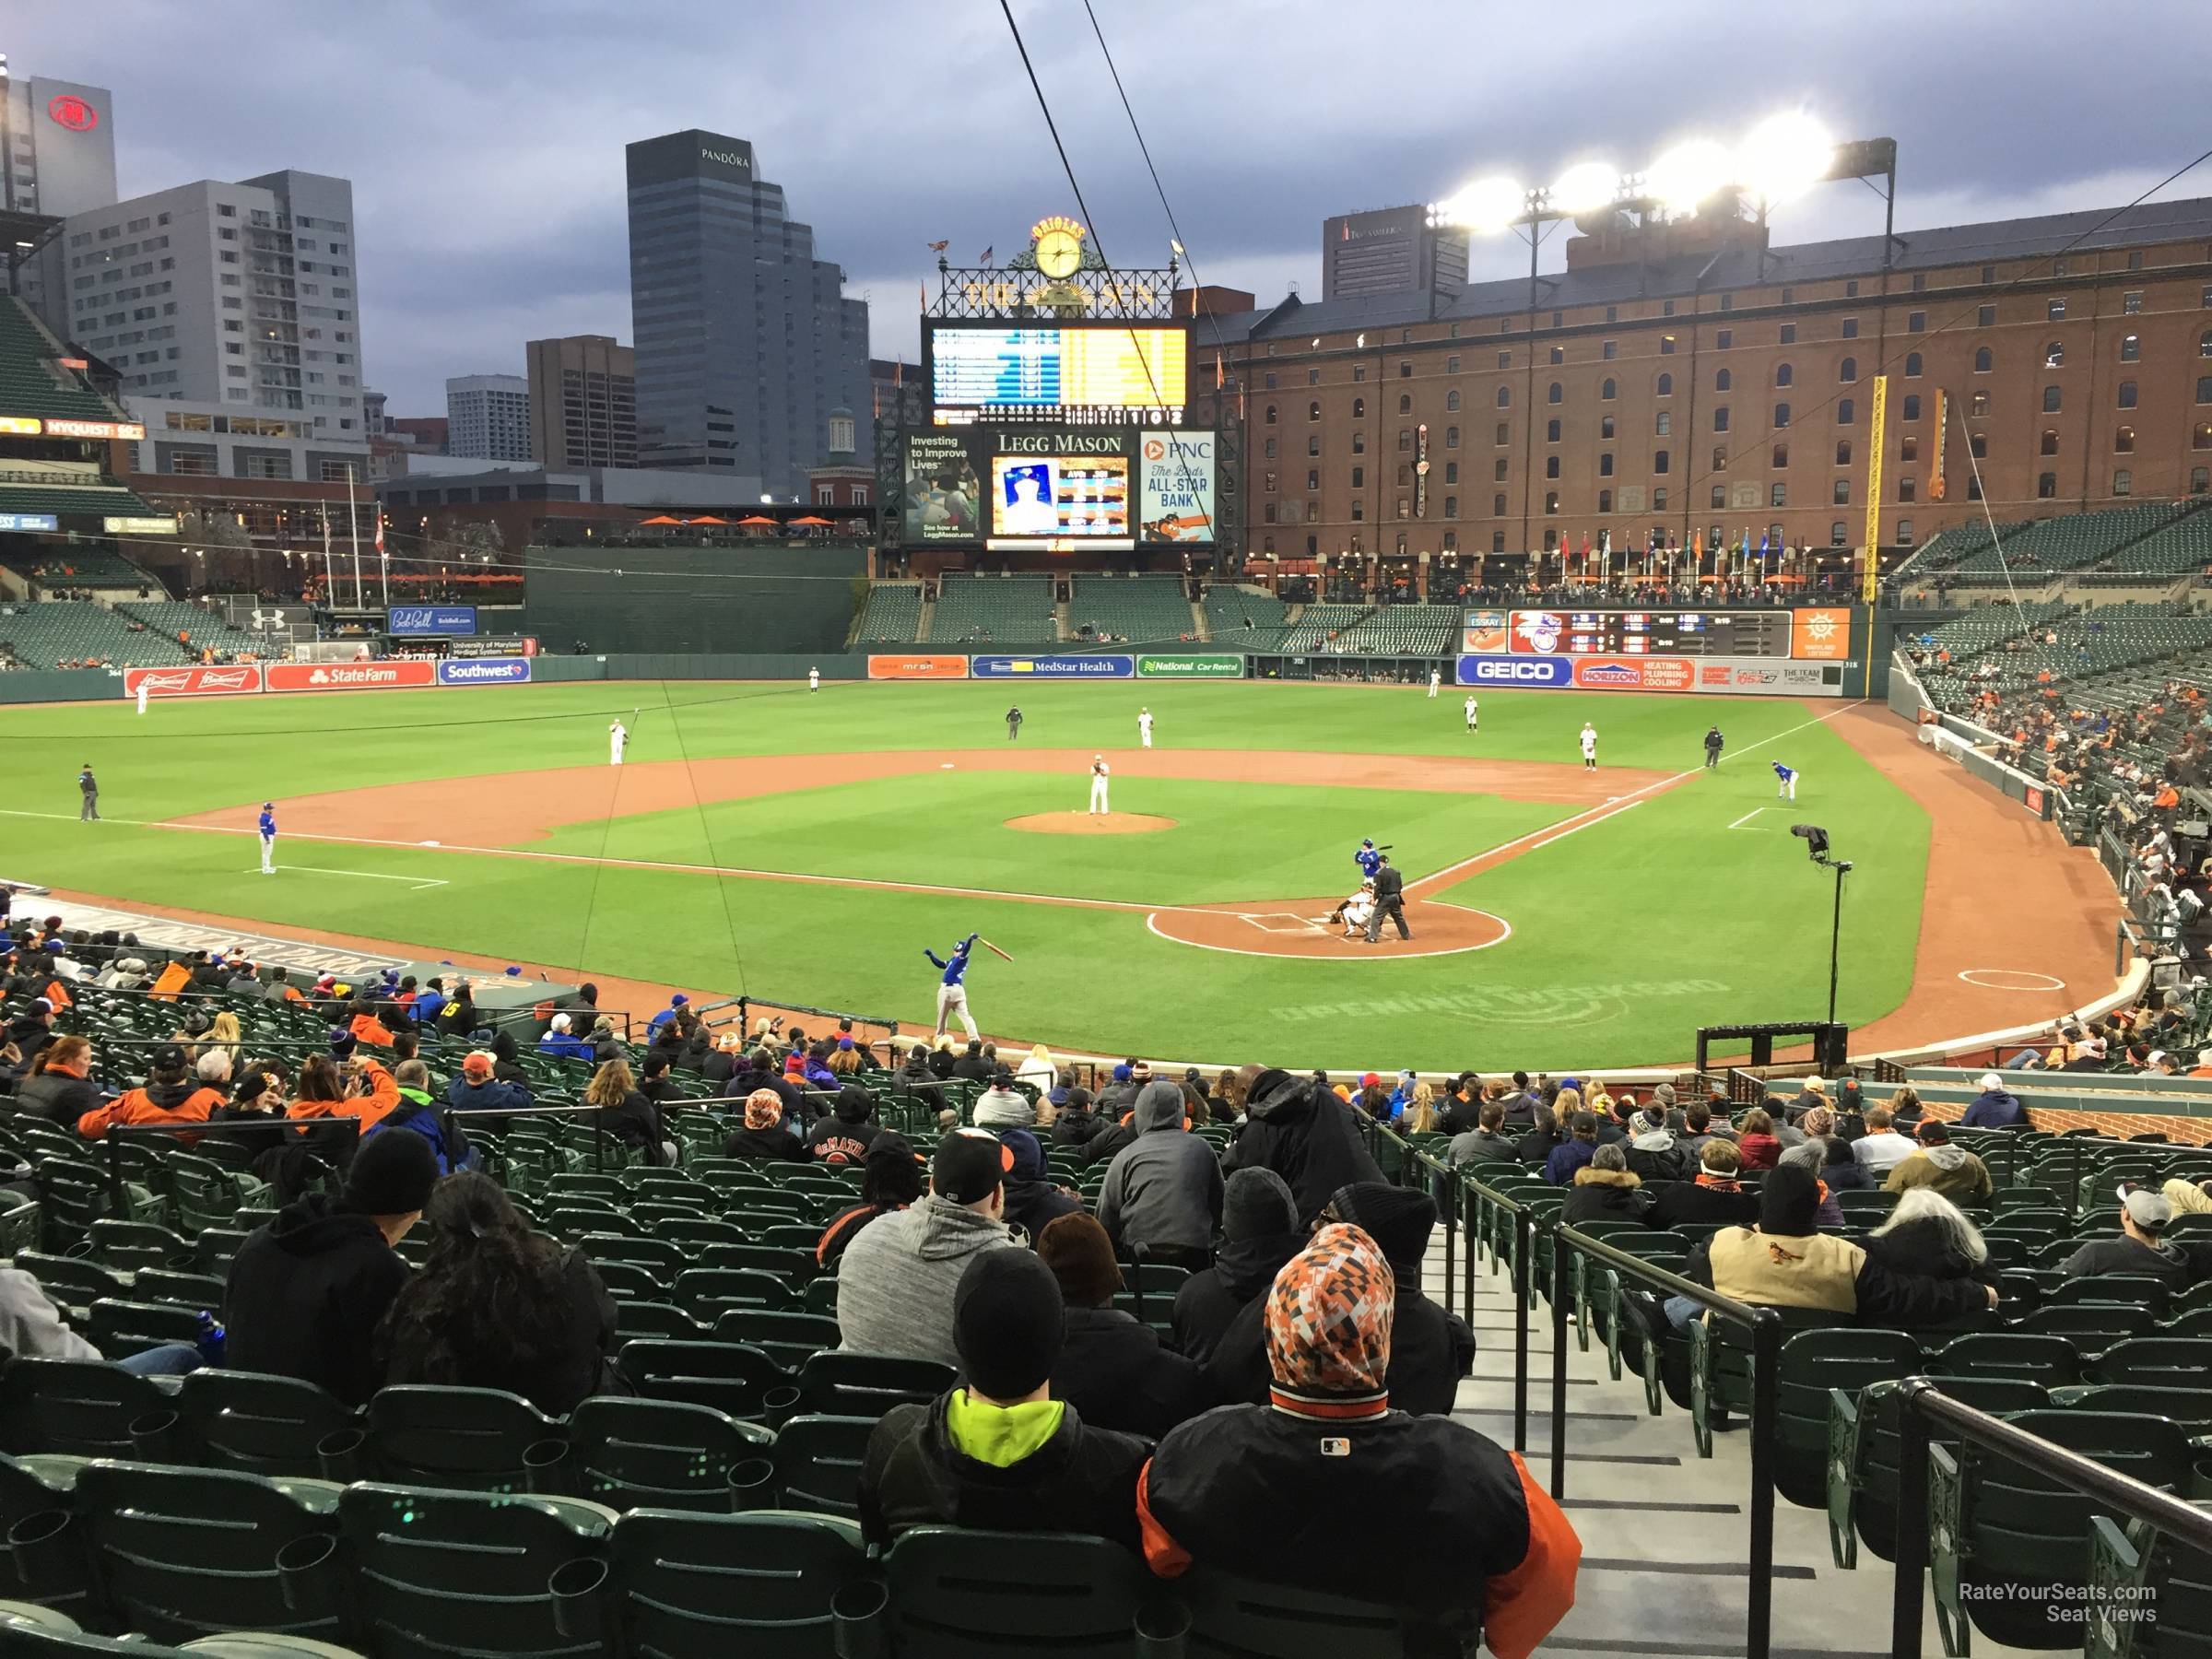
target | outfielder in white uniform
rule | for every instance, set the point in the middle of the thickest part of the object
(141, 696)
(1436, 678)
(617, 735)
(814, 679)
(1589, 742)
(1474, 715)
(1144, 726)
(1100, 772)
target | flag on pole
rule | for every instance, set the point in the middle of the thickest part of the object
(1217, 371)
(939, 247)
(987, 253)
(380, 533)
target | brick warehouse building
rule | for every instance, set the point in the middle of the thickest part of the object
(1690, 380)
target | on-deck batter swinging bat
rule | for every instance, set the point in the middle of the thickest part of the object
(991, 948)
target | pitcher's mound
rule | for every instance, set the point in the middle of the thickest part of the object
(1091, 823)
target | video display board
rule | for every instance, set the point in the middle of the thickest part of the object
(1051, 490)
(1079, 497)
(1628, 633)
(1104, 374)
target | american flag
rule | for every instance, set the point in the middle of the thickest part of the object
(987, 253)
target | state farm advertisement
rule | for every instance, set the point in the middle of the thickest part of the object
(228, 679)
(351, 676)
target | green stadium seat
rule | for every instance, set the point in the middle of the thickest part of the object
(1230, 1614)
(763, 1585)
(454, 1573)
(184, 1553)
(957, 1594)
(817, 1464)
(262, 1425)
(868, 1385)
(1862, 1455)
(733, 1377)
(478, 1439)
(45, 1562)
(633, 1453)
(82, 1408)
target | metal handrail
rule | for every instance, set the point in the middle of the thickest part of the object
(1765, 1327)
(1525, 1244)
(1923, 1406)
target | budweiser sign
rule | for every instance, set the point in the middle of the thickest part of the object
(351, 676)
(228, 680)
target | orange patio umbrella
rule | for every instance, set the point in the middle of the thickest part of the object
(706, 519)
(661, 519)
(755, 519)
(820, 524)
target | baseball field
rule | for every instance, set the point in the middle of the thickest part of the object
(806, 846)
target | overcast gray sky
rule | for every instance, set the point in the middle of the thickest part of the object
(484, 137)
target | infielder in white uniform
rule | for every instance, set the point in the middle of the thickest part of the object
(814, 679)
(1474, 715)
(1144, 726)
(1100, 772)
(1589, 746)
(1436, 678)
(617, 735)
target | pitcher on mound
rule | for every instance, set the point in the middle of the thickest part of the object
(1100, 772)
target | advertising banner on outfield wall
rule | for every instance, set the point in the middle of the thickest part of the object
(917, 667)
(1214, 666)
(1533, 673)
(230, 679)
(1051, 668)
(482, 671)
(350, 677)
(1753, 676)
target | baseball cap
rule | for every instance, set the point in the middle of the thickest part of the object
(1991, 1080)
(2145, 1208)
(969, 1165)
(167, 1057)
(477, 1065)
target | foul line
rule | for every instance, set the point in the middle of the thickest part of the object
(1748, 816)
(418, 882)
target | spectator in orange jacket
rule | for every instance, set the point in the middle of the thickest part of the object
(171, 1095)
(365, 1026)
(364, 1089)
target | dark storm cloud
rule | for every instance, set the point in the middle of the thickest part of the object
(484, 137)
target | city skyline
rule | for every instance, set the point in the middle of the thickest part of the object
(488, 173)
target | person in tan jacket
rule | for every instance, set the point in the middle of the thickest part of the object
(1957, 1175)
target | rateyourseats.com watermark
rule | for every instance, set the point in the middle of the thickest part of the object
(2074, 1604)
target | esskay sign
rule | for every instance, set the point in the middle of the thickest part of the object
(350, 677)
(1190, 667)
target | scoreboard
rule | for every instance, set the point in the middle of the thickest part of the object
(1074, 373)
(1677, 633)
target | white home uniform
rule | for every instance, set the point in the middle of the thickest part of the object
(1436, 678)
(617, 735)
(141, 696)
(814, 679)
(1589, 742)
(1144, 726)
(1474, 715)
(1100, 772)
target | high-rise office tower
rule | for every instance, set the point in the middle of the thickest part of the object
(488, 416)
(584, 401)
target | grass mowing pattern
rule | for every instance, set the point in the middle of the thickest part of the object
(1626, 934)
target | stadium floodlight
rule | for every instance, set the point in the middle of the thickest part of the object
(1785, 156)
(1487, 205)
(1691, 174)
(1585, 187)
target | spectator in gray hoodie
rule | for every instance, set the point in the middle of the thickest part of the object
(1489, 1143)
(1003, 1106)
(897, 1279)
(1164, 1189)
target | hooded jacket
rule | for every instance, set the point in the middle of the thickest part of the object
(418, 1112)
(1114, 1370)
(1951, 1169)
(1079, 1479)
(1164, 1188)
(895, 1285)
(1995, 1108)
(1208, 1302)
(1567, 1159)
(1032, 1201)
(1074, 1126)
(31, 1326)
(1301, 1131)
(1656, 1154)
(1606, 1195)
(1004, 1109)
(774, 1144)
(1480, 1146)
(188, 1102)
(306, 1294)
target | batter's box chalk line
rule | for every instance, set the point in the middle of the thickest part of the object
(1280, 922)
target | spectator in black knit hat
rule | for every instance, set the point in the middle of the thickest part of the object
(1431, 1351)
(999, 1451)
(1259, 1233)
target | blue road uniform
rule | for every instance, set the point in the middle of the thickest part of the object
(1786, 776)
(1368, 859)
(268, 841)
(952, 995)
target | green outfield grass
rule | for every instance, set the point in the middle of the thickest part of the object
(1626, 935)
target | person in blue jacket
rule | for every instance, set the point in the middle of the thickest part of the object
(675, 1005)
(1995, 1107)
(559, 1040)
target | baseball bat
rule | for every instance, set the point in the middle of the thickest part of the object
(993, 949)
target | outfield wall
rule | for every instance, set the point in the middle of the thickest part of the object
(691, 599)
